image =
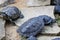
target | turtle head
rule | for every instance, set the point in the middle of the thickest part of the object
(21, 16)
(2, 15)
(48, 20)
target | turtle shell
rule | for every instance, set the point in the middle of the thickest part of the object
(57, 9)
(31, 27)
(56, 39)
(12, 13)
(55, 2)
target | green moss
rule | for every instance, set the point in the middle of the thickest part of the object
(58, 21)
(23, 38)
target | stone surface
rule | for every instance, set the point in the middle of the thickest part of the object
(2, 1)
(47, 37)
(11, 33)
(2, 28)
(37, 2)
(51, 30)
(37, 11)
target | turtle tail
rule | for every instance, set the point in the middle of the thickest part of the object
(32, 38)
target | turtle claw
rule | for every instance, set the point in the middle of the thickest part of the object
(32, 38)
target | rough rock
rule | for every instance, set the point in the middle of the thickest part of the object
(2, 28)
(11, 33)
(37, 2)
(2, 1)
(48, 37)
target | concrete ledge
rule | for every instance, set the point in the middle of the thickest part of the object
(2, 29)
(38, 2)
(47, 37)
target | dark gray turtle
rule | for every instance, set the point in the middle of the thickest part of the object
(55, 2)
(57, 9)
(34, 26)
(56, 39)
(11, 13)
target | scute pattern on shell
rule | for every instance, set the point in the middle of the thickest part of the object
(57, 9)
(12, 13)
(31, 27)
(56, 39)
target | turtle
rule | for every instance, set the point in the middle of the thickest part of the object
(55, 2)
(34, 26)
(56, 39)
(57, 12)
(57, 9)
(11, 13)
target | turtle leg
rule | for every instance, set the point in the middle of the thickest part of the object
(32, 38)
(12, 22)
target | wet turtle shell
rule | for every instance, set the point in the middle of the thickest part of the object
(56, 39)
(34, 26)
(57, 9)
(55, 2)
(11, 13)
(31, 27)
